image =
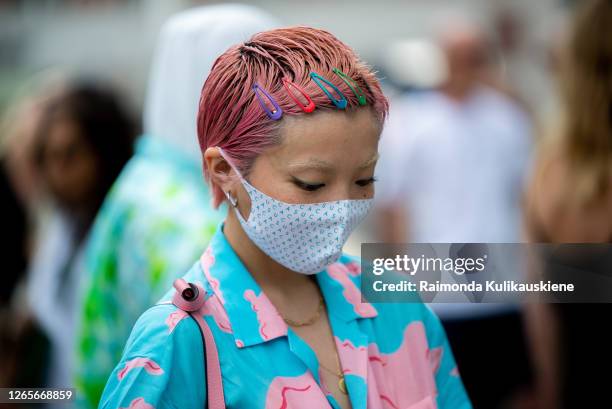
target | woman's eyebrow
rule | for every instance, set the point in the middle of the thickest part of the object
(318, 164)
(312, 163)
(370, 161)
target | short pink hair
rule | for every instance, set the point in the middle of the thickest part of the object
(230, 115)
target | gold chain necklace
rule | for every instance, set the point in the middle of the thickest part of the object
(339, 375)
(310, 320)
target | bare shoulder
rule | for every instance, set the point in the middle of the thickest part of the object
(553, 211)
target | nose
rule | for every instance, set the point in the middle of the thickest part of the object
(342, 191)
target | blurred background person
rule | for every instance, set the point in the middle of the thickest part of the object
(158, 217)
(18, 185)
(84, 138)
(460, 155)
(570, 201)
(462, 141)
(22, 343)
(23, 204)
(15, 224)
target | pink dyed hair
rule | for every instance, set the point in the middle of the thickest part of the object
(230, 115)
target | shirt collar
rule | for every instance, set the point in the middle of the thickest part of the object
(251, 315)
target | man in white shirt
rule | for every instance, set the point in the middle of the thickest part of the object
(455, 160)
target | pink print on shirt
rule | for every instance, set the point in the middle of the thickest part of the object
(354, 359)
(299, 392)
(271, 324)
(139, 403)
(213, 307)
(353, 268)
(414, 363)
(206, 261)
(149, 365)
(435, 357)
(174, 318)
(351, 293)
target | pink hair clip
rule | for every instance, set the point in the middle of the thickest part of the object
(310, 106)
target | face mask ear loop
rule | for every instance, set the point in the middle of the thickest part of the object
(233, 201)
(230, 162)
(248, 186)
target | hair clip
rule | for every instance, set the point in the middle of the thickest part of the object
(275, 113)
(352, 85)
(339, 103)
(306, 108)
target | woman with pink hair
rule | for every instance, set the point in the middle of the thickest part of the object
(288, 125)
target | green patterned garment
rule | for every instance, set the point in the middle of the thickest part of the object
(155, 221)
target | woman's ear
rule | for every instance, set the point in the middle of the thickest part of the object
(218, 169)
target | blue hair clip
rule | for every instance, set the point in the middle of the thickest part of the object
(338, 102)
(276, 113)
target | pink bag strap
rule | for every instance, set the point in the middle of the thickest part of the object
(190, 298)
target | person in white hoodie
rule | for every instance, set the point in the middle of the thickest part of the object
(158, 216)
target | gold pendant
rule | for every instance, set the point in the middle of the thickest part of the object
(342, 386)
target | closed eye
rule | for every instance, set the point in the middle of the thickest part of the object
(366, 182)
(310, 187)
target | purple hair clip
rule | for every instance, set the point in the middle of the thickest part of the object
(276, 113)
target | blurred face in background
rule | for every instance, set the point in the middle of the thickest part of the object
(465, 51)
(69, 164)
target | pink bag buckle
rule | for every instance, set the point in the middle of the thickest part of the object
(190, 298)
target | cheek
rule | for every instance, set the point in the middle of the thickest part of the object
(366, 192)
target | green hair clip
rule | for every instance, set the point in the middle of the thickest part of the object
(352, 85)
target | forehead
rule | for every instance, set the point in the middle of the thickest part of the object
(329, 135)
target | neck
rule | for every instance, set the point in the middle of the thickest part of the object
(280, 284)
(457, 91)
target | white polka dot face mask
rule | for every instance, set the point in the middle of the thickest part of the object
(305, 238)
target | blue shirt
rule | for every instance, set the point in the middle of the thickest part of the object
(392, 355)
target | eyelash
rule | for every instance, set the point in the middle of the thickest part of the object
(311, 188)
(307, 186)
(366, 182)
